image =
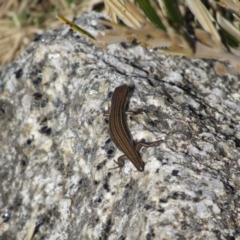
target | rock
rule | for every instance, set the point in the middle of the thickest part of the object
(56, 154)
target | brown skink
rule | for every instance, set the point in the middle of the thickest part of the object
(120, 133)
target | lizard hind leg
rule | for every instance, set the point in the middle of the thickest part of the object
(120, 162)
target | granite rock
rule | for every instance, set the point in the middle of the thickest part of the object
(56, 154)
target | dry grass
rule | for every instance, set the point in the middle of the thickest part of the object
(212, 31)
(172, 35)
(22, 20)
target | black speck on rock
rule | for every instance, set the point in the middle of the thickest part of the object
(237, 142)
(46, 130)
(175, 172)
(18, 73)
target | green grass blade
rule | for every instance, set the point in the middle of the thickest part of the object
(151, 14)
(74, 27)
(173, 13)
(231, 40)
